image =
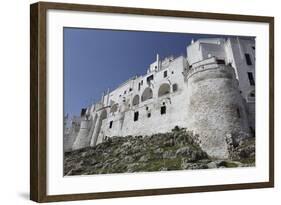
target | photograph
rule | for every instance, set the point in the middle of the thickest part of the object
(146, 101)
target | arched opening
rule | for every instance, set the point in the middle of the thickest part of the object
(136, 100)
(164, 89)
(114, 108)
(147, 94)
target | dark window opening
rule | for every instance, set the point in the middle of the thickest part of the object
(251, 78)
(252, 94)
(163, 103)
(175, 87)
(141, 82)
(146, 108)
(149, 115)
(220, 61)
(139, 86)
(165, 74)
(136, 116)
(163, 110)
(125, 92)
(110, 124)
(83, 112)
(172, 72)
(130, 89)
(253, 47)
(248, 59)
(149, 78)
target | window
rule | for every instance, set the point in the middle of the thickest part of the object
(148, 115)
(220, 61)
(149, 78)
(175, 87)
(172, 72)
(163, 110)
(165, 74)
(125, 92)
(139, 86)
(83, 112)
(248, 59)
(251, 78)
(110, 124)
(136, 116)
(130, 89)
(146, 108)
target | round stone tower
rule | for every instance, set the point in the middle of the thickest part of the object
(215, 106)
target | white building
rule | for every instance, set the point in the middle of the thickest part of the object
(210, 92)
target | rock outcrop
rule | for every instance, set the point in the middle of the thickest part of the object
(176, 150)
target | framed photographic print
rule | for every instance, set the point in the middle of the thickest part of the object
(135, 102)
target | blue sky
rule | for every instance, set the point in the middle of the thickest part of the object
(95, 60)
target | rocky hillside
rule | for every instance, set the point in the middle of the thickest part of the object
(176, 150)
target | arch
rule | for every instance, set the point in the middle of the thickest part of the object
(164, 89)
(147, 94)
(114, 107)
(136, 100)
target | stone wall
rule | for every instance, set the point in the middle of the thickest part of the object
(215, 107)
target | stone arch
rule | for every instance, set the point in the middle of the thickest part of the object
(136, 100)
(114, 107)
(164, 89)
(102, 116)
(147, 94)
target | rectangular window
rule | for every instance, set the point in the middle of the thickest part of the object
(175, 87)
(149, 115)
(248, 59)
(163, 110)
(136, 116)
(139, 86)
(165, 74)
(251, 78)
(110, 124)
(83, 112)
(149, 78)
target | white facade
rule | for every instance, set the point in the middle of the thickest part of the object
(180, 92)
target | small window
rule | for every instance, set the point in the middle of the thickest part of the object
(172, 72)
(110, 124)
(149, 78)
(165, 74)
(139, 86)
(248, 59)
(175, 87)
(251, 78)
(253, 47)
(136, 116)
(125, 92)
(146, 108)
(149, 115)
(130, 89)
(163, 110)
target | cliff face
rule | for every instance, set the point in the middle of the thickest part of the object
(176, 150)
